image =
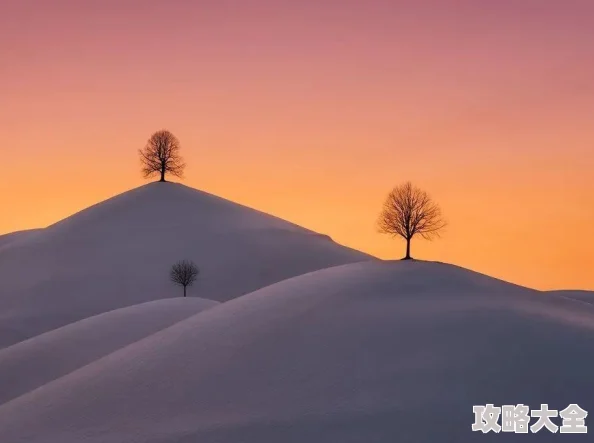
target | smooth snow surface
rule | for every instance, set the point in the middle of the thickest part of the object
(369, 352)
(12, 237)
(39, 360)
(118, 253)
(587, 296)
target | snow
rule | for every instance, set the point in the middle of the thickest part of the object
(118, 253)
(365, 352)
(586, 296)
(5, 239)
(39, 360)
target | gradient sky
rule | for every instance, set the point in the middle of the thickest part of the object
(312, 111)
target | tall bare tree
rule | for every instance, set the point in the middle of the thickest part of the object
(184, 273)
(409, 211)
(161, 156)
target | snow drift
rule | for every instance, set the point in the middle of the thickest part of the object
(366, 352)
(118, 253)
(39, 360)
(586, 296)
(6, 239)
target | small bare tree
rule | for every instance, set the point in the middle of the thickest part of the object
(409, 211)
(184, 273)
(161, 156)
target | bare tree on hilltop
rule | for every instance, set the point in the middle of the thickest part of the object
(184, 273)
(409, 211)
(161, 156)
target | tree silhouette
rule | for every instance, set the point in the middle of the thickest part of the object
(184, 273)
(161, 156)
(409, 211)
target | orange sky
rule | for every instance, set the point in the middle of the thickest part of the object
(312, 111)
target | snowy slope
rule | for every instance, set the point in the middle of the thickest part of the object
(369, 352)
(587, 296)
(14, 236)
(119, 252)
(39, 360)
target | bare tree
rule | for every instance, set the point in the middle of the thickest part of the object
(161, 156)
(409, 211)
(184, 273)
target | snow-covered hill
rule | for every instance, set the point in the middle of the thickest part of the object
(118, 253)
(587, 296)
(14, 236)
(365, 352)
(39, 360)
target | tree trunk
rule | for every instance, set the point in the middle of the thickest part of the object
(184, 291)
(162, 175)
(408, 257)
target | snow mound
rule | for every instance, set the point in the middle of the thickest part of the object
(15, 236)
(365, 352)
(39, 360)
(118, 253)
(586, 296)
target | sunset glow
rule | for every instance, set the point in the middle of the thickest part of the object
(313, 111)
